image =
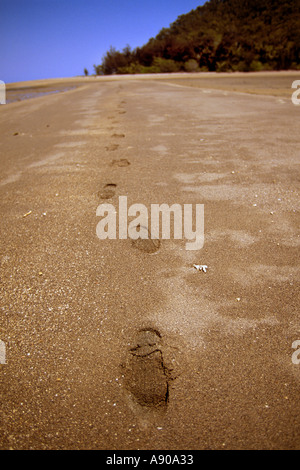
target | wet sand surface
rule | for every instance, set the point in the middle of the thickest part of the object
(21, 94)
(112, 344)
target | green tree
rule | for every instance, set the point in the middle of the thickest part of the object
(221, 35)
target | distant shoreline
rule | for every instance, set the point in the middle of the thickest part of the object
(82, 79)
(272, 83)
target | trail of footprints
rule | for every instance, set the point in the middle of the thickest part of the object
(146, 376)
(109, 189)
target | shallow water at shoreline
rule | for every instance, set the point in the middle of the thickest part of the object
(21, 94)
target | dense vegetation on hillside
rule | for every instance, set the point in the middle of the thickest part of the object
(222, 35)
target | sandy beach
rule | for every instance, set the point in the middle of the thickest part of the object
(268, 83)
(115, 344)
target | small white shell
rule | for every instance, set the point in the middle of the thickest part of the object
(200, 267)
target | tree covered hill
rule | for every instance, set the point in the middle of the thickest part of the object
(221, 35)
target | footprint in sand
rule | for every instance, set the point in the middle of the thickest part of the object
(108, 191)
(144, 242)
(146, 376)
(122, 162)
(118, 135)
(112, 147)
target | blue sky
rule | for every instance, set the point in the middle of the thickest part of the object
(59, 38)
